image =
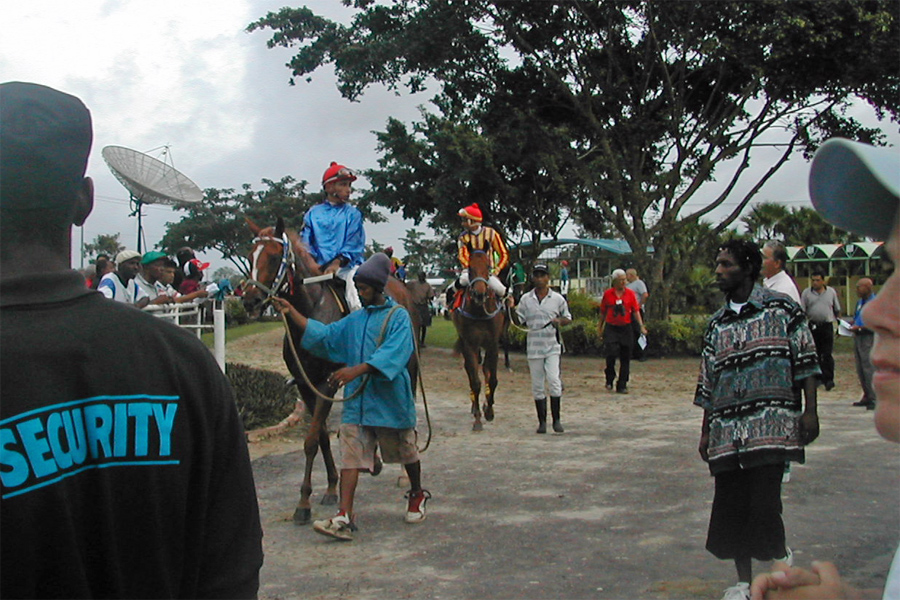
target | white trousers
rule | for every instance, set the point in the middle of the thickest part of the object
(350, 292)
(493, 283)
(545, 370)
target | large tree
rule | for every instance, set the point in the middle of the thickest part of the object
(649, 99)
(104, 243)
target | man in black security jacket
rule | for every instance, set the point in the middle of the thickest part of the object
(123, 464)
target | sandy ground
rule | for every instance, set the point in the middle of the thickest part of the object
(616, 507)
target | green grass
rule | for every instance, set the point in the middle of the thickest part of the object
(236, 333)
(441, 334)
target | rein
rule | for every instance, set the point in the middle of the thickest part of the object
(486, 317)
(365, 378)
(281, 281)
(559, 336)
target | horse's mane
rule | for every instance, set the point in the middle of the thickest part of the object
(302, 253)
(303, 257)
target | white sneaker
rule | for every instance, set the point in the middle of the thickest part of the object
(339, 527)
(788, 558)
(415, 508)
(740, 591)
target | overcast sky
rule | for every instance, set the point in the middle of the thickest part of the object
(186, 74)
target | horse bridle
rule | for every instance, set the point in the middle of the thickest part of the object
(287, 259)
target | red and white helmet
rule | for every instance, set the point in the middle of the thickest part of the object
(337, 172)
(473, 212)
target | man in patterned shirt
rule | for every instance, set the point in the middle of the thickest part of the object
(756, 351)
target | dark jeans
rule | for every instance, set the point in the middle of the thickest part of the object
(746, 514)
(617, 343)
(823, 335)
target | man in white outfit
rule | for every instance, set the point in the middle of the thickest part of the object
(542, 310)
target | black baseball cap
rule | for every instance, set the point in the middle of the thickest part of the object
(45, 140)
(540, 267)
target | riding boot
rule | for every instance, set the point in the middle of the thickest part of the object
(541, 406)
(554, 409)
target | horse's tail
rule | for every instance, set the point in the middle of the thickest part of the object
(458, 347)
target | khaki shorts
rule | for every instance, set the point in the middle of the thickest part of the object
(358, 446)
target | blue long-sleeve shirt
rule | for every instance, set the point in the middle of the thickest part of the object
(387, 400)
(334, 230)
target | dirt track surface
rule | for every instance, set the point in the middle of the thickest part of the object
(616, 507)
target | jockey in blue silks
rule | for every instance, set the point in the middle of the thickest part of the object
(333, 230)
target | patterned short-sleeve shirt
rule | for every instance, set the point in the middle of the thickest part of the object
(751, 370)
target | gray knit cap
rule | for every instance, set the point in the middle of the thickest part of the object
(375, 271)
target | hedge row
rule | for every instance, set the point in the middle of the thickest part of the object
(676, 337)
(262, 397)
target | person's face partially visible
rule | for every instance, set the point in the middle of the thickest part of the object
(367, 294)
(882, 315)
(729, 275)
(469, 224)
(540, 279)
(339, 190)
(818, 283)
(167, 275)
(769, 264)
(128, 269)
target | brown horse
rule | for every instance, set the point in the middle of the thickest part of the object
(280, 263)
(479, 323)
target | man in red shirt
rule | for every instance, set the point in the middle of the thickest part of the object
(617, 309)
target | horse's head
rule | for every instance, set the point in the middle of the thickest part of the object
(276, 258)
(266, 260)
(479, 272)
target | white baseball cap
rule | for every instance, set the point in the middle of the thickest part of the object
(856, 186)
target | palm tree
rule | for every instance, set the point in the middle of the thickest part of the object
(762, 221)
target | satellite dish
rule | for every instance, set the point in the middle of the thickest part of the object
(149, 181)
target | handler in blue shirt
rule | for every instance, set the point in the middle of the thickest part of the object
(333, 230)
(375, 343)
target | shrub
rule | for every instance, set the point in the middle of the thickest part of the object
(582, 306)
(235, 313)
(580, 337)
(261, 396)
(677, 336)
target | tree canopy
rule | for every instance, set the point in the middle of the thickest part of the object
(614, 113)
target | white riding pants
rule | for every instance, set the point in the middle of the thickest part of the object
(545, 371)
(350, 291)
(493, 283)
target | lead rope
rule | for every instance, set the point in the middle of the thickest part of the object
(559, 336)
(365, 380)
(422, 389)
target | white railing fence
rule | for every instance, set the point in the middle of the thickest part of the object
(189, 315)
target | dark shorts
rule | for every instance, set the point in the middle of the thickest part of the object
(746, 514)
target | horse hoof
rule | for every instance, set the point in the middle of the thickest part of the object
(302, 516)
(477, 426)
(329, 500)
(489, 413)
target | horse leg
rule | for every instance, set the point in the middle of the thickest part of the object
(303, 512)
(490, 377)
(506, 353)
(474, 388)
(330, 497)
